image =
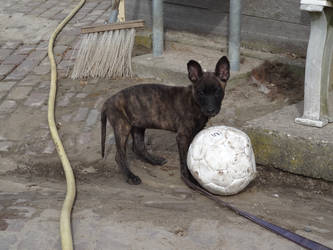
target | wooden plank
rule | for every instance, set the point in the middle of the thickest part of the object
(114, 26)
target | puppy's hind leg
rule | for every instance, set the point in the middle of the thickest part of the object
(122, 130)
(140, 149)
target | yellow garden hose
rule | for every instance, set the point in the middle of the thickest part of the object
(65, 217)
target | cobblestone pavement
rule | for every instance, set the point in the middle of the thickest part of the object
(109, 214)
(25, 68)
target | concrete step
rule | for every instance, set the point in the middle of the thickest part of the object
(279, 142)
(171, 67)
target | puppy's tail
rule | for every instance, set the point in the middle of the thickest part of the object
(103, 129)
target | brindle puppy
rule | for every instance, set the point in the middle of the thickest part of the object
(184, 110)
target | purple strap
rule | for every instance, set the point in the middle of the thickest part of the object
(298, 239)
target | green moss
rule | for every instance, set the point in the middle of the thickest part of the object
(144, 40)
(295, 155)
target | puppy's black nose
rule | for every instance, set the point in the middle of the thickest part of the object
(210, 110)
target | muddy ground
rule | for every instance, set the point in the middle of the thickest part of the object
(161, 213)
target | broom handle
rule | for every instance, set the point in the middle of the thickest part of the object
(121, 15)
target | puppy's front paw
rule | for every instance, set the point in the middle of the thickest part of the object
(133, 179)
(160, 161)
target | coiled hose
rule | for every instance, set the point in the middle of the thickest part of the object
(65, 217)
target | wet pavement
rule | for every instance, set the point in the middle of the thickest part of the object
(161, 213)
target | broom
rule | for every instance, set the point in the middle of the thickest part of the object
(105, 51)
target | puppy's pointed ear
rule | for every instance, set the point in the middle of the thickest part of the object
(194, 71)
(222, 69)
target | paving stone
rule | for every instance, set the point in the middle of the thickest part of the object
(90, 5)
(81, 95)
(44, 108)
(14, 59)
(81, 114)
(51, 12)
(33, 4)
(49, 148)
(2, 94)
(25, 49)
(7, 240)
(49, 4)
(99, 102)
(29, 64)
(37, 56)
(12, 44)
(5, 53)
(92, 117)
(66, 118)
(59, 49)
(64, 100)
(62, 74)
(60, 16)
(66, 11)
(65, 64)
(45, 62)
(23, 8)
(80, 15)
(42, 70)
(74, 31)
(97, 12)
(15, 76)
(7, 106)
(15, 225)
(30, 80)
(101, 20)
(6, 69)
(103, 6)
(48, 242)
(69, 142)
(38, 11)
(6, 166)
(67, 39)
(8, 4)
(70, 55)
(84, 139)
(22, 70)
(86, 22)
(44, 85)
(43, 45)
(19, 93)
(36, 99)
(5, 86)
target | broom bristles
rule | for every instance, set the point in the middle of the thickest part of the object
(104, 55)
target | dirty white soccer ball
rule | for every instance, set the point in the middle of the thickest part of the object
(221, 159)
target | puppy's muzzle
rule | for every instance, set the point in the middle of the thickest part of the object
(211, 111)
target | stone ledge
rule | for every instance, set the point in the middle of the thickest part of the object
(279, 142)
(172, 65)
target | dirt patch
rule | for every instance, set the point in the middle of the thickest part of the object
(271, 177)
(278, 80)
(104, 170)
